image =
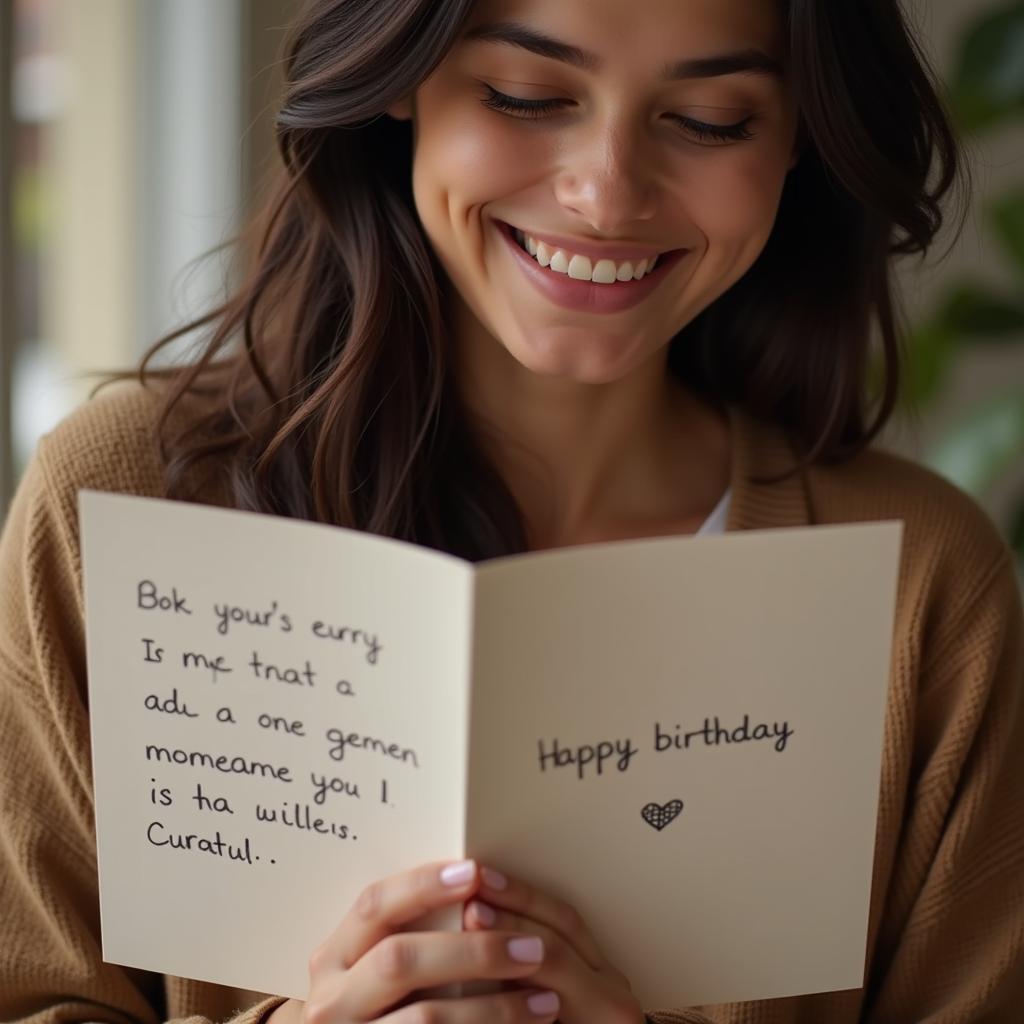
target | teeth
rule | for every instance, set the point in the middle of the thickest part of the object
(580, 268)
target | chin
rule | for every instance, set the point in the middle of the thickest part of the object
(590, 361)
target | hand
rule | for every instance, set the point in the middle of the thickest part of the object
(590, 989)
(368, 969)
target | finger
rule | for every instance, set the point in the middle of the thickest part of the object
(482, 916)
(532, 1005)
(558, 954)
(515, 896)
(407, 962)
(563, 968)
(385, 905)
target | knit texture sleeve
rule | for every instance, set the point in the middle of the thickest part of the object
(676, 1017)
(952, 949)
(51, 968)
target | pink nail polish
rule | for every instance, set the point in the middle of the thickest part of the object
(528, 949)
(494, 879)
(543, 1003)
(484, 914)
(458, 874)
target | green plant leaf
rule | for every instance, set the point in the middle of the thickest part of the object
(930, 351)
(1015, 538)
(983, 445)
(1006, 215)
(1016, 535)
(988, 83)
(973, 310)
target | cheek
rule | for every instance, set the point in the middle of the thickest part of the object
(734, 200)
(467, 161)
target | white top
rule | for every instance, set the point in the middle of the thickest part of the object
(715, 523)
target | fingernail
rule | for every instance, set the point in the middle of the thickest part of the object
(529, 950)
(494, 879)
(543, 1003)
(484, 913)
(458, 874)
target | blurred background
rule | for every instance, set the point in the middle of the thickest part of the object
(136, 134)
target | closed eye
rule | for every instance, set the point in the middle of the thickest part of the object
(538, 108)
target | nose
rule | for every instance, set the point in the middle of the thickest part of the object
(607, 181)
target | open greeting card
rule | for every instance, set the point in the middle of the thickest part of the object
(679, 736)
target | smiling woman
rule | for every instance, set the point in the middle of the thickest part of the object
(645, 141)
(487, 399)
(691, 207)
(538, 274)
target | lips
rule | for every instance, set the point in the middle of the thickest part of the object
(586, 296)
(616, 253)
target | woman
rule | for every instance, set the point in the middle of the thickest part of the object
(418, 352)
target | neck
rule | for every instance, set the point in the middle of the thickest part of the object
(639, 456)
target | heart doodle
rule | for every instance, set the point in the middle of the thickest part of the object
(659, 815)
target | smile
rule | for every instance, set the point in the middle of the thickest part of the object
(582, 268)
(575, 282)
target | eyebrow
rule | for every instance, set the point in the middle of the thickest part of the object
(749, 61)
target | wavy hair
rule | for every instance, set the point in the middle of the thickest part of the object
(322, 391)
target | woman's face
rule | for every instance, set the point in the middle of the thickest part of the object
(617, 165)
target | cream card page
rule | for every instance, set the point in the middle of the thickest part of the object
(680, 736)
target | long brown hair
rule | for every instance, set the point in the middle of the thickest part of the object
(323, 392)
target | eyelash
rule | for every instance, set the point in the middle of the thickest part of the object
(537, 108)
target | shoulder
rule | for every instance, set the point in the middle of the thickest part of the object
(111, 443)
(105, 444)
(953, 554)
(937, 515)
(108, 443)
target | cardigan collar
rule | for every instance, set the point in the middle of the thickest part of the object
(762, 448)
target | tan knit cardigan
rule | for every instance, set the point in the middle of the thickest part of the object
(946, 933)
